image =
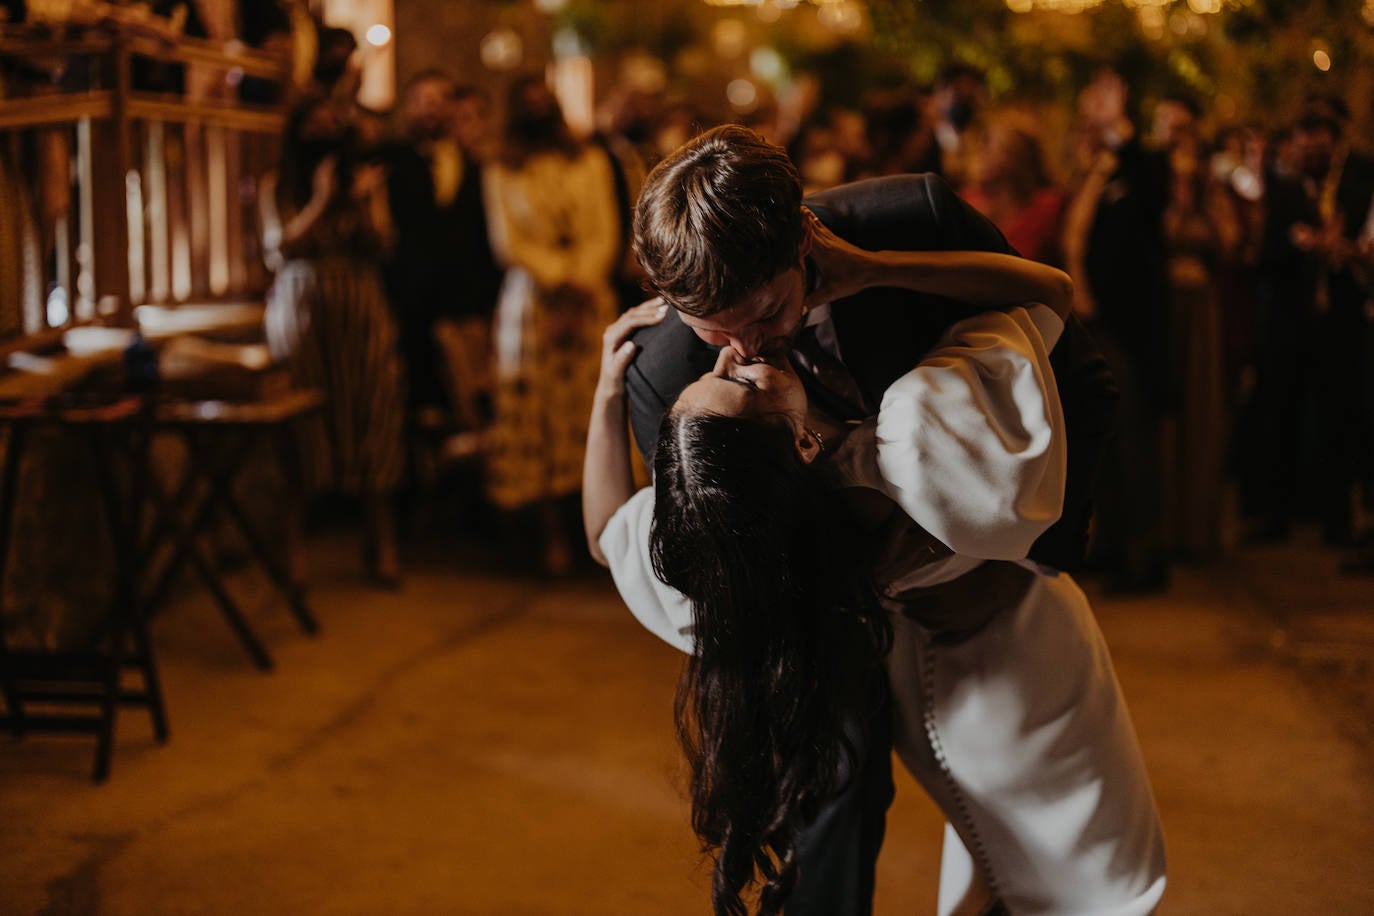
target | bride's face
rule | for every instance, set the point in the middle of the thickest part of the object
(738, 387)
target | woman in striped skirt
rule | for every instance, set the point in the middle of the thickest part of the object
(328, 319)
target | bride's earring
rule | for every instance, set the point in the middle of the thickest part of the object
(808, 440)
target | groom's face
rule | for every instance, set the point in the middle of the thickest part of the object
(764, 318)
(760, 320)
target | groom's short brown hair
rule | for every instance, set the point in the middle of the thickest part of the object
(717, 219)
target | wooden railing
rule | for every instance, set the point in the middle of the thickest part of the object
(111, 197)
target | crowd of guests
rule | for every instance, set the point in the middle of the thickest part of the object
(1226, 275)
(431, 275)
(433, 269)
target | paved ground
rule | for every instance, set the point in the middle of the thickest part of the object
(484, 744)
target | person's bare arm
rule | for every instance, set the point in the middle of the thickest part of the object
(980, 278)
(607, 478)
(303, 221)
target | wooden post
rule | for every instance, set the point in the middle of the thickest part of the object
(112, 258)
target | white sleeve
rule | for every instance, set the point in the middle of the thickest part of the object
(664, 611)
(971, 442)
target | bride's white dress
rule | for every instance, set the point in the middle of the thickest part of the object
(1019, 732)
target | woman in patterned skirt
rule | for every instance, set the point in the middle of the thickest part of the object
(328, 319)
(551, 206)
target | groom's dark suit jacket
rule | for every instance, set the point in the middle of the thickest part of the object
(883, 333)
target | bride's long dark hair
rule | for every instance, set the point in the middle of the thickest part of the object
(788, 642)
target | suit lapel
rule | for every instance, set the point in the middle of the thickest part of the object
(883, 333)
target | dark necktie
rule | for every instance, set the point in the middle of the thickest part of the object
(839, 394)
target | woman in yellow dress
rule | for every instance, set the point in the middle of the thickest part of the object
(553, 225)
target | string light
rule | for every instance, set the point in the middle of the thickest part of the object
(769, 11)
(840, 15)
(501, 49)
(774, 4)
(844, 16)
(1052, 6)
(1147, 9)
(743, 94)
(378, 35)
(729, 37)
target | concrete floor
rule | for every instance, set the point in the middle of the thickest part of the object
(481, 743)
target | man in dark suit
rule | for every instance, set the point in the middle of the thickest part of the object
(443, 267)
(1115, 252)
(1315, 333)
(721, 233)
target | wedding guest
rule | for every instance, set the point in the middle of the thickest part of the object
(328, 320)
(442, 268)
(551, 205)
(1013, 188)
(1114, 250)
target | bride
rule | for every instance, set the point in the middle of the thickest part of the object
(806, 565)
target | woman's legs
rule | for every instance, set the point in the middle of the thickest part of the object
(383, 556)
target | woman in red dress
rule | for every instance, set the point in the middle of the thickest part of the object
(1013, 188)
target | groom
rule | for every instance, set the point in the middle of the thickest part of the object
(722, 235)
(721, 232)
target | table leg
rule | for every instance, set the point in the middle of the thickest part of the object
(229, 608)
(287, 446)
(186, 544)
(9, 487)
(160, 531)
(140, 477)
(221, 479)
(112, 666)
(171, 509)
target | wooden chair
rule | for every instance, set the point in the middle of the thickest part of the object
(35, 682)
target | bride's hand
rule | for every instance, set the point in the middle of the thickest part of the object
(841, 268)
(617, 350)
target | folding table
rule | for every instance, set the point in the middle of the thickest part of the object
(220, 437)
